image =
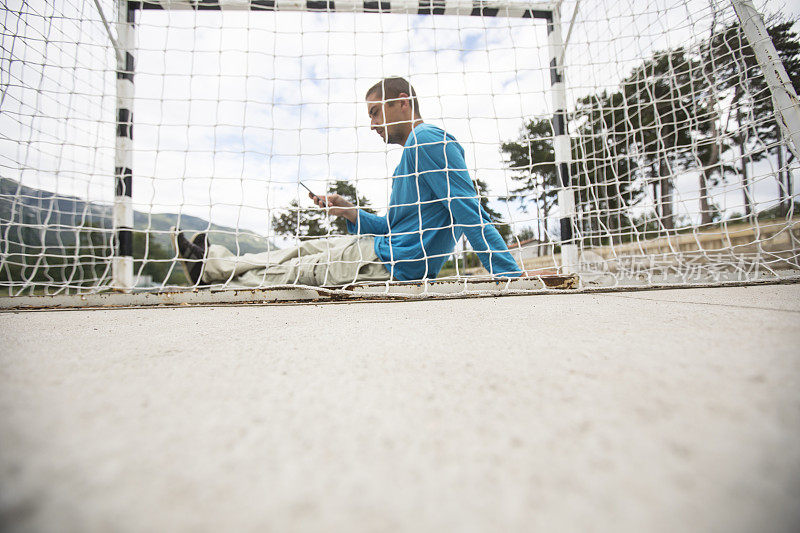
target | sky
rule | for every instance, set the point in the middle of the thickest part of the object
(232, 109)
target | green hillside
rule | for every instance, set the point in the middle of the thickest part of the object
(51, 238)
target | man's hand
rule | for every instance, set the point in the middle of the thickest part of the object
(336, 206)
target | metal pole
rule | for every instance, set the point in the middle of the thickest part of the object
(122, 266)
(784, 99)
(561, 143)
(108, 30)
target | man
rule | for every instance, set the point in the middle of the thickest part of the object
(432, 203)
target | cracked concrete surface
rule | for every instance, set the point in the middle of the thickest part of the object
(652, 411)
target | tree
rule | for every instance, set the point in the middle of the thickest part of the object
(605, 167)
(602, 172)
(309, 222)
(734, 62)
(710, 145)
(531, 159)
(660, 100)
(681, 110)
(641, 131)
(497, 219)
(736, 76)
(525, 234)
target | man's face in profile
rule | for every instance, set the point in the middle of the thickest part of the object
(389, 119)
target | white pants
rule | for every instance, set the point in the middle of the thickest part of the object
(315, 262)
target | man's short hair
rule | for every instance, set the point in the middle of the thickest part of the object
(390, 88)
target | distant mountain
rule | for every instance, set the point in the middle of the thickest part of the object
(55, 217)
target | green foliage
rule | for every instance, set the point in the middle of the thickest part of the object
(154, 260)
(81, 259)
(532, 162)
(236, 240)
(497, 219)
(525, 234)
(465, 260)
(52, 239)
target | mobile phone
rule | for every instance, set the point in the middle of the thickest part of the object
(306, 188)
(309, 190)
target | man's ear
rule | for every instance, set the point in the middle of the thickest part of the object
(403, 99)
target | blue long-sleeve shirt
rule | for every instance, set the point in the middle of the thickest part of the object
(433, 202)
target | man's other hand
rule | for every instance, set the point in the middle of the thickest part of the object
(336, 206)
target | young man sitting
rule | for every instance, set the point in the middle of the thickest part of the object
(432, 203)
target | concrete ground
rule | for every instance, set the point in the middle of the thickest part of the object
(643, 411)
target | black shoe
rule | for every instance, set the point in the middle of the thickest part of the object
(192, 254)
(201, 240)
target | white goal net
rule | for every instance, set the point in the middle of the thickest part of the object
(597, 143)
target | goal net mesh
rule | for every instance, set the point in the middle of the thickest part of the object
(670, 166)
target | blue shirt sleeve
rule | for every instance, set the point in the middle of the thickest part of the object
(369, 224)
(443, 168)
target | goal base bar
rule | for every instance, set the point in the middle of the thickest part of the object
(395, 290)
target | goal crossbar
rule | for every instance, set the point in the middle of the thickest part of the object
(479, 8)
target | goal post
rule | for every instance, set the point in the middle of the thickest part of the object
(609, 145)
(123, 275)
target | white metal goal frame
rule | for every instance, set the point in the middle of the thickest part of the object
(784, 98)
(123, 275)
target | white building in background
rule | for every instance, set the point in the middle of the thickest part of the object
(531, 248)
